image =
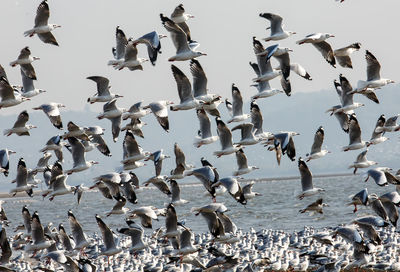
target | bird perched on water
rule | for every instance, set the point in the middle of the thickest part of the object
(20, 127)
(42, 28)
(277, 32)
(319, 42)
(53, 113)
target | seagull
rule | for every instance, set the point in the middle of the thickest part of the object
(20, 127)
(307, 186)
(119, 50)
(127, 184)
(374, 79)
(257, 121)
(236, 107)
(171, 222)
(185, 244)
(39, 241)
(76, 131)
(180, 158)
(160, 111)
(343, 54)
(21, 180)
(103, 90)
(112, 181)
(187, 101)
(59, 187)
(55, 144)
(136, 111)
(78, 155)
(241, 160)
(119, 207)
(284, 142)
(247, 191)
(110, 246)
(341, 116)
(200, 91)
(362, 162)
(42, 28)
(131, 61)
(176, 199)
(361, 198)
(316, 206)
(300, 70)
(179, 17)
(114, 114)
(132, 151)
(180, 40)
(379, 174)
(43, 162)
(28, 90)
(263, 87)
(207, 177)
(282, 55)
(146, 215)
(316, 151)
(8, 95)
(247, 134)
(391, 210)
(136, 235)
(319, 41)
(377, 135)
(152, 41)
(25, 61)
(204, 134)
(233, 187)
(53, 113)
(264, 64)
(225, 138)
(277, 32)
(354, 135)
(390, 125)
(346, 97)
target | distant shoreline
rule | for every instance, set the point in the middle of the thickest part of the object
(38, 193)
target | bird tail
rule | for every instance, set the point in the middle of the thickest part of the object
(113, 62)
(28, 33)
(7, 132)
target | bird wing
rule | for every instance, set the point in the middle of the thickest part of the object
(42, 14)
(241, 159)
(108, 238)
(102, 85)
(23, 117)
(121, 42)
(225, 135)
(237, 101)
(205, 124)
(22, 173)
(199, 78)
(78, 151)
(326, 50)
(171, 219)
(6, 91)
(48, 37)
(130, 52)
(354, 131)
(373, 66)
(183, 84)
(306, 176)
(178, 36)
(27, 83)
(318, 140)
(256, 118)
(37, 229)
(276, 22)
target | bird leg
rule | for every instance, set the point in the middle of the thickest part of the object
(355, 208)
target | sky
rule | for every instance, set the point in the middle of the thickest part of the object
(225, 30)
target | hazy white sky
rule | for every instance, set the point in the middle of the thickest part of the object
(223, 28)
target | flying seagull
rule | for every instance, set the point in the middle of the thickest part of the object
(20, 127)
(42, 28)
(53, 113)
(277, 32)
(319, 42)
(25, 61)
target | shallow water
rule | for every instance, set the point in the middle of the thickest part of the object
(277, 208)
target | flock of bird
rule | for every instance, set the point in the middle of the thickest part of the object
(367, 242)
